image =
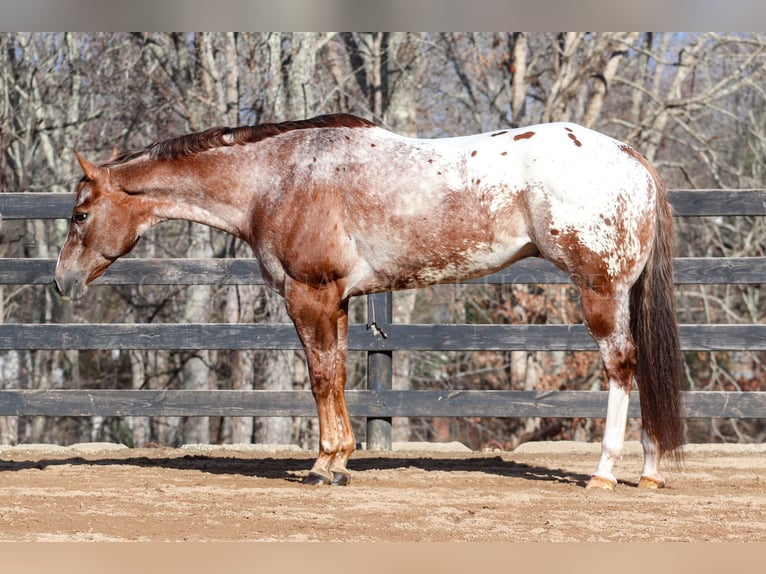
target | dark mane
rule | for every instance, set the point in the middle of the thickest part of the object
(223, 136)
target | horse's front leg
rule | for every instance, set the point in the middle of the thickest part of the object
(336, 439)
(321, 321)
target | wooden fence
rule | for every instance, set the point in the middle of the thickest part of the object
(378, 403)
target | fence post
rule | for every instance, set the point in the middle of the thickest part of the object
(379, 367)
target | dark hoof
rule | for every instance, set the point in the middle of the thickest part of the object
(314, 479)
(340, 478)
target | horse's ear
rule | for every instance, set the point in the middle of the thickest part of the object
(115, 153)
(91, 171)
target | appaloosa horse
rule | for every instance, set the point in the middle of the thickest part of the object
(335, 207)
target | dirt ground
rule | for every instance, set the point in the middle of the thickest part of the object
(97, 492)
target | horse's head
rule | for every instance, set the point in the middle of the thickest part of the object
(105, 225)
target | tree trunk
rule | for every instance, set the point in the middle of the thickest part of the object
(618, 48)
(519, 78)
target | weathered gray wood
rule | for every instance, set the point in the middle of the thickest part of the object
(361, 403)
(263, 336)
(719, 270)
(714, 202)
(41, 205)
(229, 271)
(556, 337)
(725, 404)
(156, 403)
(185, 336)
(133, 271)
(687, 203)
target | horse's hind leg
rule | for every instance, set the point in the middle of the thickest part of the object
(650, 475)
(607, 317)
(321, 320)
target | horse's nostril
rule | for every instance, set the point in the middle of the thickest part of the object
(57, 284)
(68, 287)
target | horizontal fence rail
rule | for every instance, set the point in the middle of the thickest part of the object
(361, 403)
(398, 337)
(379, 402)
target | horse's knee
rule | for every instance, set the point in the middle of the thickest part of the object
(322, 375)
(321, 388)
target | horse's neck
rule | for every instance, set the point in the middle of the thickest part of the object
(189, 191)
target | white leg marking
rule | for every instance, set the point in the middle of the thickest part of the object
(650, 475)
(614, 433)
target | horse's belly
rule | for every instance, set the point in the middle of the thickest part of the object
(436, 263)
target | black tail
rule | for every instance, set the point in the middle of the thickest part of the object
(655, 331)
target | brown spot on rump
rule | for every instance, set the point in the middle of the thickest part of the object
(504, 153)
(626, 149)
(573, 137)
(225, 136)
(473, 153)
(524, 136)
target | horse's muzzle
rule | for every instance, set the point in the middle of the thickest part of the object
(70, 286)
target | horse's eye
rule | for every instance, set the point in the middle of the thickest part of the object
(80, 216)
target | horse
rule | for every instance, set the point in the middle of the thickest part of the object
(336, 206)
